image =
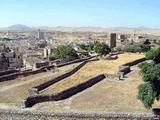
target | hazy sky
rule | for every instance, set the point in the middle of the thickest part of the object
(82, 13)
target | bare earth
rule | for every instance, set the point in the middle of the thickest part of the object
(92, 69)
(15, 91)
(106, 96)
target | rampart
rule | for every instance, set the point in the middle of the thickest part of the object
(18, 114)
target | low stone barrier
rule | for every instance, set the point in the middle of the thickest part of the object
(112, 76)
(19, 114)
(13, 74)
(125, 68)
(35, 90)
(27, 73)
(32, 100)
(40, 87)
(74, 61)
(8, 72)
(9, 77)
(135, 62)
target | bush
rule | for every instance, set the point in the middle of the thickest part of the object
(65, 53)
(146, 94)
(101, 48)
(51, 57)
(150, 90)
(138, 48)
(145, 48)
(87, 47)
(154, 54)
(132, 49)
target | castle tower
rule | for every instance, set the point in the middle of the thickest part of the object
(113, 40)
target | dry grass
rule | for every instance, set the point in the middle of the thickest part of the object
(92, 69)
(106, 96)
(17, 94)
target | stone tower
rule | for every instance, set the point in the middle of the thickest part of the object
(113, 40)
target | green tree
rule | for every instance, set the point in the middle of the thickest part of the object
(65, 53)
(150, 71)
(87, 47)
(154, 54)
(101, 48)
(138, 48)
(133, 49)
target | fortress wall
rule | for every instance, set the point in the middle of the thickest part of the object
(18, 114)
(125, 68)
(32, 100)
(13, 74)
(55, 80)
(8, 72)
(35, 90)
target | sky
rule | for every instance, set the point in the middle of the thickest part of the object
(81, 13)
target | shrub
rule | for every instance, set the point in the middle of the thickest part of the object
(146, 94)
(150, 90)
(87, 47)
(101, 48)
(65, 53)
(138, 48)
(132, 49)
(154, 54)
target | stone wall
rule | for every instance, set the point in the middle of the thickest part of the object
(18, 114)
(41, 64)
(9, 77)
(35, 90)
(135, 62)
(55, 80)
(74, 61)
(13, 74)
(32, 100)
(8, 72)
(125, 68)
(112, 76)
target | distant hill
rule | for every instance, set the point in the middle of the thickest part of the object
(18, 27)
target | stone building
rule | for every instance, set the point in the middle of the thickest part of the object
(113, 40)
(10, 59)
(40, 35)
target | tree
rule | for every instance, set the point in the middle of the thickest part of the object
(133, 49)
(87, 47)
(154, 54)
(65, 53)
(138, 48)
(150, 71)
(101, 48)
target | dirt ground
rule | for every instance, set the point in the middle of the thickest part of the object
(90, 70)
(15, 91)
(106, 96)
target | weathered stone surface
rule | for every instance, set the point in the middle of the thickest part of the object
(19, 114)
